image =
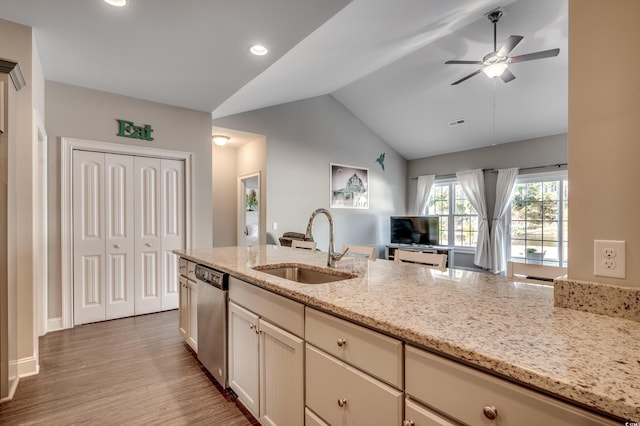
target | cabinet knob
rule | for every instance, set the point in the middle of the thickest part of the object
(342, 402)
(408, 423)
(490, 412)
(341, 342)
(147, 244)
(116, 246)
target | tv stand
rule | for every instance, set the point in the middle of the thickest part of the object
(390, 249)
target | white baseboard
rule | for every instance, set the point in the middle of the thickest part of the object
(12, 391)
(28, 367)
(54, 324)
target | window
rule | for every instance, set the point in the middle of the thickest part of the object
(539, 219)
(458, 219)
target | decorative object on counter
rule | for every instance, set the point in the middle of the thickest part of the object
(598, 298)
(380, 160)
(349, 187)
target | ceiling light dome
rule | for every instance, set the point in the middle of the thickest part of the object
(495, 70)
(117, 3)
(220, 140)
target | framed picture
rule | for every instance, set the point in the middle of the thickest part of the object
(349, 187)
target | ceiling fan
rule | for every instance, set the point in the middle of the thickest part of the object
(496, 63)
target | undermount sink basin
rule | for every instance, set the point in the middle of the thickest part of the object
(304, 274)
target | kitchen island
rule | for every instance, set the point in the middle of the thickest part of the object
(508, 328)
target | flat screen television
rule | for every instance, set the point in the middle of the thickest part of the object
(422, 230)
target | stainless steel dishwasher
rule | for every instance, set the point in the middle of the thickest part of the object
(212, 294)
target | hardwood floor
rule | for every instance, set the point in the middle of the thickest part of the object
(131, 371)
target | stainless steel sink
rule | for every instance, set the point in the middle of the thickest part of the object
(304, 274)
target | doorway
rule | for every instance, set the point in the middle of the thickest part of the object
(249, 207)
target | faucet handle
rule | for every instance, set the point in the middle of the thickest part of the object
(338, 256)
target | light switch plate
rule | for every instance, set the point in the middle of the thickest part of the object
(609, 258)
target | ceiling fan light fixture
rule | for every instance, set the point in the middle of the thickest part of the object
(495, 70)
(117, 3)
(220, 140)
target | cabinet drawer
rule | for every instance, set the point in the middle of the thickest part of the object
(279, 310)
(418, 415)
(375, 353)
(462, 393)
(191, 270)
(182, 267)
(310, 419)
(343, 395)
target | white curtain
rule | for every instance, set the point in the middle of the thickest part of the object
(422, 194)
(472, 182)
(504, 192)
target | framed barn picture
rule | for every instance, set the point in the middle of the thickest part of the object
(349, 187)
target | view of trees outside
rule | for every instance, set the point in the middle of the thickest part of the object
(539, 215)
(465, 218)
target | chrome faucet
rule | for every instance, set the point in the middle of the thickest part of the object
(333, 256)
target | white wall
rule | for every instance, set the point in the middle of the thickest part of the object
(604, 112)
(88, 114)
(302, 139)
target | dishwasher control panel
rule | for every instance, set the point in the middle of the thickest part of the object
(213, 277)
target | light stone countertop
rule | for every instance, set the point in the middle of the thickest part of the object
(506, 327)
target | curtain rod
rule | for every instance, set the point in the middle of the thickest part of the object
(452, 175)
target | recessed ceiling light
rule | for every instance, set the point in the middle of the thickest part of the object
(258, 50)
(117, 3)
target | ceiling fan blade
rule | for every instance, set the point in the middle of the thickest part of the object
(507, 76)
(464, 62)
(467, 77)
(509, 45)
(535, 55)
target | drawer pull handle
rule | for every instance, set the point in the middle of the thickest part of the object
(408, 423)
(490, 412)
(341, 342)
(342, 402)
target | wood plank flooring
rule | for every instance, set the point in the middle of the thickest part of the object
(131, 371)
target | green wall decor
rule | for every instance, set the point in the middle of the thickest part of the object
(127, 129)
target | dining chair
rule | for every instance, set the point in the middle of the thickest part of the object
(360, 251)
(306, 245)
(535, 272)
(432, 260)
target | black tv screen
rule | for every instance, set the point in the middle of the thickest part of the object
(423, 230)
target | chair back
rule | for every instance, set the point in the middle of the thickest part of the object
(360, 251)
(433, 260)
(306, 245)
(534, 272)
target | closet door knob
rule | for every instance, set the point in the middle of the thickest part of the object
(490, 412)
(342, 402)
(341, 342)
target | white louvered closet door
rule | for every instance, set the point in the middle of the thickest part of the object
(88, 237)
(148, 264)
(119, 247)
(173, 228)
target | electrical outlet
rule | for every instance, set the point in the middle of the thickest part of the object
(275, 226)
(609, 258)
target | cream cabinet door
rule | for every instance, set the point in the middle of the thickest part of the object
(244, 357)
(281, 377)
(183, 310)
(192, 309)
(343, 395)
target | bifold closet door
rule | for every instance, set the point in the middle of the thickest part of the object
(173, 228)
(103, 236)
(148, 264)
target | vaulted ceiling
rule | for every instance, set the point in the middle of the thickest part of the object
(382, 59)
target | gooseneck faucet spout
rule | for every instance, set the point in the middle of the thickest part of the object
(333, 256)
